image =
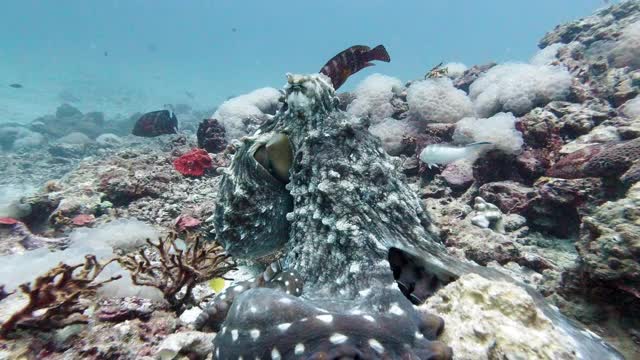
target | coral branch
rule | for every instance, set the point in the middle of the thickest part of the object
(174, 269)
(54, 298)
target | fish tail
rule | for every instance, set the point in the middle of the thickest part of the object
(378, 53)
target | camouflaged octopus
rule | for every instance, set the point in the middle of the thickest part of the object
(313, 185)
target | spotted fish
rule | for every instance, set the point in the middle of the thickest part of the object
(156, 123)
(352, 60)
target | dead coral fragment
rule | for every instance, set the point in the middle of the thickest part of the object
(175, 269)
(55, 297)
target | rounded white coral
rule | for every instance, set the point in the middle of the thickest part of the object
(518, 88)
(438, 101)
(373, 97)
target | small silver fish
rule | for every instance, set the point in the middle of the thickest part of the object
(439, 154)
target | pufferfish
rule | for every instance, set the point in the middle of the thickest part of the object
(438, 154)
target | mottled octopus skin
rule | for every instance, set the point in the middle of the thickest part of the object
(349, 206)
(614, 159)
(356, 235)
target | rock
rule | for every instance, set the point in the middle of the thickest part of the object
(189, 343)
(127, 308)
(487, 215)
(66, 111)
(488, 319)
(469, 76)
(508, 196)
(458, 175)
(609, 244)
(189, 316)
(211, 136)
(109, 140)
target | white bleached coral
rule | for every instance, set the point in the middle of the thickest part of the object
(438, 101)
(373, 97)
(547, 55)
(518, 88)
(100, 241)
(489, 319)
(631, 108)
(455, 69)
(242, 115)
(391, 132)
(499, 130)
(626, 51)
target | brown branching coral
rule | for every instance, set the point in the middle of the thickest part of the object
(176, 269)
(55, 297)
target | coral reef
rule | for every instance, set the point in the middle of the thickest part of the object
(177, 269)
(242, 115)
(55, 297)
(373, 97)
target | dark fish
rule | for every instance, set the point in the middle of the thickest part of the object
(156, 123)
(234, 29)
(352, 60)
(106, 53)
(16, 86)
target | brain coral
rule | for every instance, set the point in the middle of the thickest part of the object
(373, 97)
(438, 101)
(499, 129)
(518, 88)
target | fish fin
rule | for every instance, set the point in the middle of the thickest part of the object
(480, 143)
(367, 64)
(379, 53)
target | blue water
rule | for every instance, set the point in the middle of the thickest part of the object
(158, 50)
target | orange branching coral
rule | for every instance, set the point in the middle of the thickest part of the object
(175, 269)
(55, 297)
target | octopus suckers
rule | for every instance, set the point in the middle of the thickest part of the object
(284, 326)
(253, 309)
(299, 349)
(338, 338)
(254, 333)
(285, 300)
(375, 345)
(275, 354)
(395, 310)
(419, 335)
(234, 334)
(369, 317)
(325, 318)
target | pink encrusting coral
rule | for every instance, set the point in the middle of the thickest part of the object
(83, 219)
(186, 222)
(193, 163)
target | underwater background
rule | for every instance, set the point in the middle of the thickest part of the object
(320, 180)
(122, 57)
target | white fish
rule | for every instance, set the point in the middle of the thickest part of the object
(438, 154)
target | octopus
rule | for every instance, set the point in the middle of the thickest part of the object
(355, 248)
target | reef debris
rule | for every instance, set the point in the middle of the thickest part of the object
(55, 298)
(193, 163)
(171, 267)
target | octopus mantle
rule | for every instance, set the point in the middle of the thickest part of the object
(356, 248)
